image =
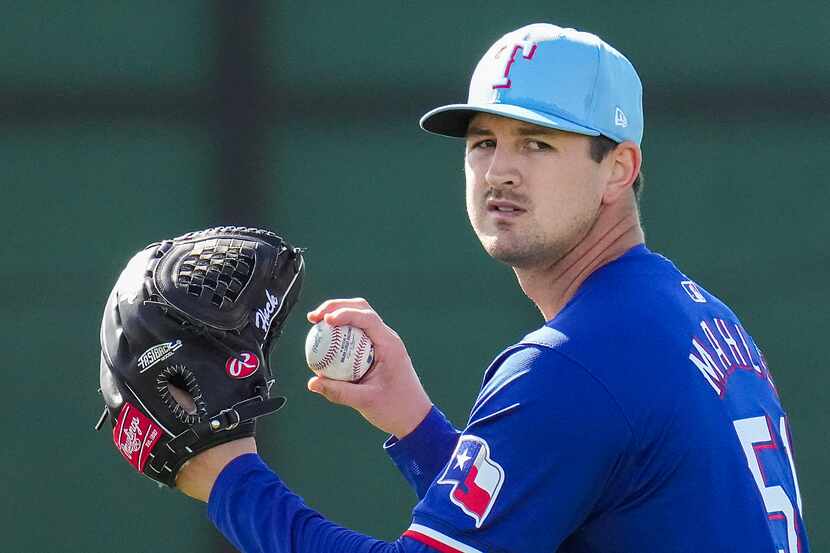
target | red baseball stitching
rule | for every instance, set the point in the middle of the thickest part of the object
(358, 356)
(334, 345)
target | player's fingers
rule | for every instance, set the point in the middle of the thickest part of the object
(366, 319)
(316, 315)
(337, 391)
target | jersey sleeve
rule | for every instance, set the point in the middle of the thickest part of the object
(422, 454)
(539, 455)
(257, 513)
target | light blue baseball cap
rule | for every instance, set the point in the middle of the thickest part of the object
(553, 77)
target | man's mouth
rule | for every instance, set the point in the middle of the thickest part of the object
(504, 207)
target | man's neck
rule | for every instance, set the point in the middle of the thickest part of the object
(551, 287)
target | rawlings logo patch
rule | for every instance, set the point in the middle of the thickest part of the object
(265, 315)
(135, 436)
(242, 368)
(475, 477)
(157, 354)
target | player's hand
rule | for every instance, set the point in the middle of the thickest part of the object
(390, 395)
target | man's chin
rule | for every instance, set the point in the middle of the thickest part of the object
(510, 249)
(509, 256)
(520, 256)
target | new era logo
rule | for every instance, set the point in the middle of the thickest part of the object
(620, 119)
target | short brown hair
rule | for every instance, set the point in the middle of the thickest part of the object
(600, 147)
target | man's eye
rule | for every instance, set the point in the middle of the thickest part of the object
(538, 145)
(483, 144)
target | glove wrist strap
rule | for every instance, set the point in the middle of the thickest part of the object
(225, 420)
(250, 409)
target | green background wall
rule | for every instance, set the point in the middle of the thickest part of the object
(124, 123)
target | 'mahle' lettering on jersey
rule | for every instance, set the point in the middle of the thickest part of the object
(731, 338)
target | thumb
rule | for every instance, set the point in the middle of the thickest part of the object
(336, 391)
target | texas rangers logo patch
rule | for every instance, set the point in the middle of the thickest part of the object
(475, 477)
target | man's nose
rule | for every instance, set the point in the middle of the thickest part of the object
(503, 169)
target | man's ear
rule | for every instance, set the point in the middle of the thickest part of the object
(625, 161)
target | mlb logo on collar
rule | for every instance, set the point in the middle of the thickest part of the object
(475, 477)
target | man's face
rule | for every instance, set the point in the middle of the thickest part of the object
(533, 193)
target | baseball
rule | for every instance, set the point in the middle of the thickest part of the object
(338, 352)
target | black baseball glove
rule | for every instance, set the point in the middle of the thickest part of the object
(185, 340)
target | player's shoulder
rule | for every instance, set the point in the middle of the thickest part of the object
(642, 280)
(535, 357)
(534, 371)
(640, 277)
(631, 325)
(627, 326)
(637, 302)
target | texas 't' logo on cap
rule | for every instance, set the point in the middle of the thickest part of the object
(527, 49)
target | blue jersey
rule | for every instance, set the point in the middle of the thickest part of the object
(643, 417)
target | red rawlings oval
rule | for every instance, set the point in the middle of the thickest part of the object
(242, 368)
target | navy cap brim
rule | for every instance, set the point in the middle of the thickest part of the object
(453, 120)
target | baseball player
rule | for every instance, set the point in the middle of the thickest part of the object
(641, 417)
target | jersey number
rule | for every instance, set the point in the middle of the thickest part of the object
(755, 434)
